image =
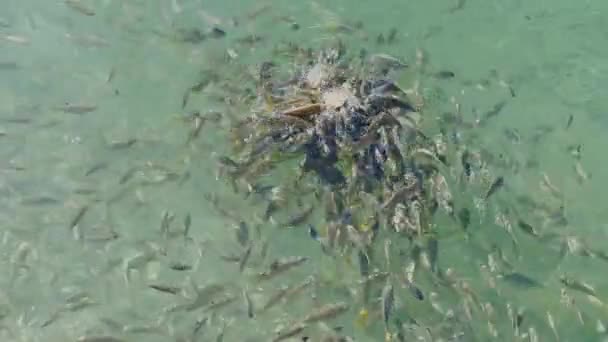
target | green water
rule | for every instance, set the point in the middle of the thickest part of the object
(543, 59)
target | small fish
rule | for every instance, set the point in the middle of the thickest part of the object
(186, 97)
(165, 224)
(493, 112)
(512, 134)
(414, 290)
(495, 186)
(281, 265)
(581, 175)
(245, 258)
(521, 280)
(570, 121)
(187, 224)
(363, 263)
(464, 216)
(74, 108)
(432, 247)
(519, 318)
(165, 288)
(577, 285)
(466, 164)
(444, 74)
(575, 150)
(387, 252)
(325, 312)
(551, 322)
(527, 228)
(128, 174)
(299, 218)
(41, 200)
(198, 325)
(294, 290)
(249, 308)
(388, 303)
(122, 144)
(242, 233)
(289, 331)
(313, 233)
(97, 167)
(177, 266)
(392, 36)
(216, 32)
(222, 301)
(548, 186)
(460, 4)
(99, 339)
(76, 220)
(198, 122)
(9, 66)
(79, 7)
(275, 298)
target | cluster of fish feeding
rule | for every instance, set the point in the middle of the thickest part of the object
(356, 132)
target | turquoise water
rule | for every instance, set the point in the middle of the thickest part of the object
(91, 123)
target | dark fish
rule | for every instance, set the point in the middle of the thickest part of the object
(363, 263)
(444, 74)
(242, 233)
(521, 280)
(180, 267)
(198, 325)
(495, 186)
(95, 168)
(226, 161)
(192, 36)
(415, 290)
(380, 39)
(464, 216)
(166, 289)
(9, 66)
(245, 258)
(493, 112)
(79, 215)
(570, 120)
(217, 32)
(41, 200)
(433, 250)
(187, 224)
(392, 36)
(79, 7)
(388, 303)
(313, 233)
(527, 228)
(466, 164)
(299, 218)
(186, 97)
(128, 175)
(248, 304)
(513, 135)
(249, 39)
(460, 4)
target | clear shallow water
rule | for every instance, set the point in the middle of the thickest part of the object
(123, 62)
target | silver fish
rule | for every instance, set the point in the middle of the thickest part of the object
(281, 265)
